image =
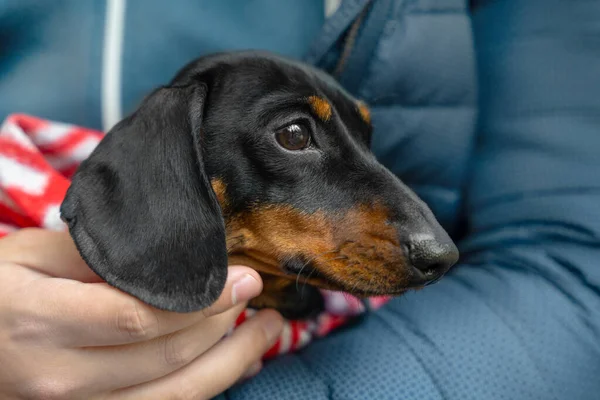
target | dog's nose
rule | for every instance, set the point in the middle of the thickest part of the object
(431, 256)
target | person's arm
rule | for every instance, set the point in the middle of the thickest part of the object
(65, 334)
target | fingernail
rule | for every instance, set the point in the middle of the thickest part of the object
(244, 289)
(253, 370)
(272, 327)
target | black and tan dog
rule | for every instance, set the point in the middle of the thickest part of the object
(250, 158)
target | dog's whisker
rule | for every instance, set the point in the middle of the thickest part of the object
(354, 287)
(298, 276)
(309, 275)
(329, 252)
(311, 272)
(371, 281)
(234, 241)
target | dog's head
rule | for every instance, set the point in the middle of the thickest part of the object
(252, 158)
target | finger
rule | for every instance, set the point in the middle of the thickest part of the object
(77, 314)
(116, 367)
(55, 254)
(217, 369)
(50, 252)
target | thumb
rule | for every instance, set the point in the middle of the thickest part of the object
(49, 252)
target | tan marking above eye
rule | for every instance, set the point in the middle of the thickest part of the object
(364, 112)
(320, 107)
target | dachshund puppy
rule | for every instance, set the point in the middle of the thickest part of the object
(250, 158)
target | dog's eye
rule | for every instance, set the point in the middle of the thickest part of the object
(293, 137)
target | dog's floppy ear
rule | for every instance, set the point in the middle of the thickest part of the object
(141, 208)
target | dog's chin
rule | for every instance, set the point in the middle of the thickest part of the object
(305, 273)
(357, 290)
(312, 276)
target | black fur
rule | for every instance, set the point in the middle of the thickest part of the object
(142, 211)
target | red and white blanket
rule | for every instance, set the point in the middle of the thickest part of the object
(37, 159)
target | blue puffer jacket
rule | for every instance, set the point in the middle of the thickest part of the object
(516, 183)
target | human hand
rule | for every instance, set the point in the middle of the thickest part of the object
(66, 334)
